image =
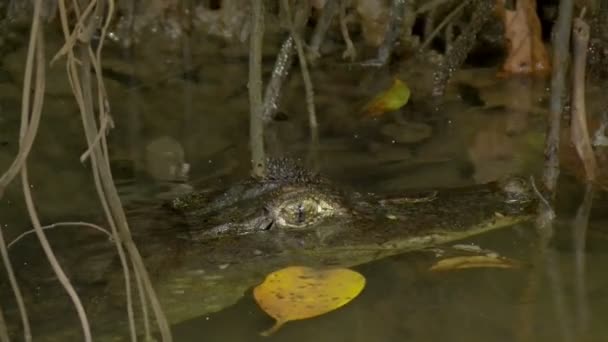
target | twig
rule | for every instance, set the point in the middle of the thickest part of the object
(579, 237)
(106, 124)
(27, 332)
(60, 224)
(280, 71)
(144, 304)
(600, 138)
(295, 26)
(448, 19)
(430, 5)
(104, 183)
(99, 161)
(540, 196)
(561, 47)
(350, 51)
(579, 133)
(36, 110)
(3, 328)
(27, 136)
(462, 45)
(328, 14)
(391, 36)
(256, 121)
(61, 276)
(429, 22)
(556, 286)
(79, 33)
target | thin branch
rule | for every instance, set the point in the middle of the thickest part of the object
(36, 112)
(280, 72)
(430, 5)
(579, 133)
(561, 59)
(462, 46)
(256, 121)
(448, 19)
(328, 14)
(27, 332)
(106, 124)
(103, 179)
(393, 33)
(350, 51)
(294, 26)
(60, 224)
(3, 328)
(28, 132)
(99, 161)
(579, 238)
(144, 305)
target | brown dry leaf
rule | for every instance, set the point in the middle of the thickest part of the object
(526, 52)
(476, 261)
(299, 292)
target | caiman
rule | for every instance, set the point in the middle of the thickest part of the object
(204, 250)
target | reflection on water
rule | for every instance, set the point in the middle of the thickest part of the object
(191, 127)
(403, 300)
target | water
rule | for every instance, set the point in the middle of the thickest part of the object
(179, 121)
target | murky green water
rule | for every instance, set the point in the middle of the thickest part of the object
(188, 123)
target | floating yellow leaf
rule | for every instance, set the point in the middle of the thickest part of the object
(389, 100)
(298, 292)
(476, 261)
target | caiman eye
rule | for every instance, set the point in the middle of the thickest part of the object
(302, 212)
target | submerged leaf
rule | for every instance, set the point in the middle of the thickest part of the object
(298, 292)
(476, 261)
(389, 100)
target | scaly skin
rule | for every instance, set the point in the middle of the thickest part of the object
(204, 252)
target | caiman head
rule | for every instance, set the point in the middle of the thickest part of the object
(292, 210)
(235, 238)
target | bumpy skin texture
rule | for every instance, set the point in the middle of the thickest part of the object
(204, 250)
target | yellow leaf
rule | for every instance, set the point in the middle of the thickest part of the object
(389, 100)
(299, 292)
(477, 261)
